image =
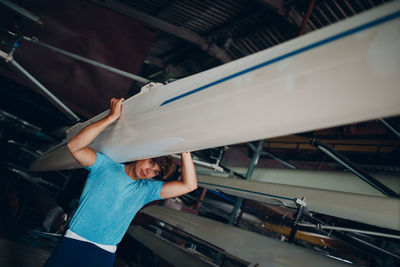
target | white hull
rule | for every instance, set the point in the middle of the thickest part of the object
(330, 180)
(165, 249)
(249, 246)
(374, 210)
(345, 73)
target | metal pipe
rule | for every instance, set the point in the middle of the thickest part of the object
(328, 227)
(236, 207)
(249, 173)
(278, 159)
(46, 93)
(224, 169)
(274, 157)
(301, 205)
(340, 8)
(19, 10)
(350, 8)
(21, 121)
(376, 248)
(6, 56)
(306, 17)
(390, 127)
(202, 196)
(350, 166)
(324, 15)
(89, 61)
(212, 166)
(331, 11)
(254, 160)
(364, 245)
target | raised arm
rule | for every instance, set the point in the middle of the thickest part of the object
(78, 145)
(188, 180)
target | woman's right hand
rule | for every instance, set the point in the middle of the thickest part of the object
(115, 108)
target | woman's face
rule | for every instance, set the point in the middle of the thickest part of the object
(146, 169)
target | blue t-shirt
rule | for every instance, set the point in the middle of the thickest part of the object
(109, 202)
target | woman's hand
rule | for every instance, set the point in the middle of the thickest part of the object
(115, 108)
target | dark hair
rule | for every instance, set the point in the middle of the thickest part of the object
(167, 166)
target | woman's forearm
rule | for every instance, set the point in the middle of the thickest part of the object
(188, 174)
(188, 182)
(90, 132)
